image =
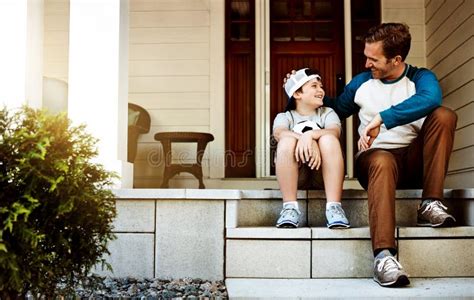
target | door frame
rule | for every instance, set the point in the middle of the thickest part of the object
(262, 90)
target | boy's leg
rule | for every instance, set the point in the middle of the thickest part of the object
(332, 166)
(377, 172)
(333, 175)
(286, 168)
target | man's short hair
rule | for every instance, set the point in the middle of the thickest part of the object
(395, 37)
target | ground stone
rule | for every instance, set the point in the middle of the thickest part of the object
(149, 289)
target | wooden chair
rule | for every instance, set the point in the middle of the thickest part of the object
(141, 126)
(167, 138)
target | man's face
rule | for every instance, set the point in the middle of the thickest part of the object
(379, 65)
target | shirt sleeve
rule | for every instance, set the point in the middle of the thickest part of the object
(426, 98)
(281, 120)
(344, 104)
(331, 118)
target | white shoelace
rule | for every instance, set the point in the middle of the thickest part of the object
(337, 210)
(435, 206)
(390, 262)
(292, 211)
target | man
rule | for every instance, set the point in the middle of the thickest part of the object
(406, 139)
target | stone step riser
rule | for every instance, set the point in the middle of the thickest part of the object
(267, 252)
(344, 258)
(265, 212)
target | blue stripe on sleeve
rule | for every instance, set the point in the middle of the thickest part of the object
(423, 102)
(344, 104)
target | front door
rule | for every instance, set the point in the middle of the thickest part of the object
(305, 33)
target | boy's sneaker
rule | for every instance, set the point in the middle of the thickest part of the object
(336, 218)
(434, 214)
(289, 217)
(389, 273)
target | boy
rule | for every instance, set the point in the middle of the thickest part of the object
(308, 138)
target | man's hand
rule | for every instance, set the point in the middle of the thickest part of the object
(371, 131)
(288, 76)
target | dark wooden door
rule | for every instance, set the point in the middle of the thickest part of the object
(240, 89)
(364, 14)
(305, 33)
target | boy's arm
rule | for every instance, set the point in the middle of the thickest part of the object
(330, 129)
(281, 132)
(307, 148)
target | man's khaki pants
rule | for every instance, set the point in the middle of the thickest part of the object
(423, 164)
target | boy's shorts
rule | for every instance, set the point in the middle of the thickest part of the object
(310, 179)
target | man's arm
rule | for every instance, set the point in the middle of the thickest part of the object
(344, 104)
(424, 101)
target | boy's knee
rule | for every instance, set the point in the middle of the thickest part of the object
(328, 142)
(286, 145)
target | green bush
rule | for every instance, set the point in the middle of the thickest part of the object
(56, 210)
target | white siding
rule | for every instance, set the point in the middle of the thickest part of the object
(56, 39)
(169, 76)
(449, 53)
(412, 13)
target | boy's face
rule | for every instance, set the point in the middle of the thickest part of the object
(312, 94)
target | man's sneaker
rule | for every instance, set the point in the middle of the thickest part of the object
(336, 218)
(389, 273)
(434, 214)
(289, 218)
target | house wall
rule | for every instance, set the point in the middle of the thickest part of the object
(169, 75)
(173, 58)
(410, 12)
(449, 53)
(56, 39)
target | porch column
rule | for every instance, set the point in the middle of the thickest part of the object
(98, 78)
(21, 53)
(348, 70)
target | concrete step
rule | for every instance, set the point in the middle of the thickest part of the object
(262, 208)
(318, 252)
(444, 288)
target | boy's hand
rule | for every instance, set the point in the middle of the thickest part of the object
(303, 151)
(315, 160)
(288, 76)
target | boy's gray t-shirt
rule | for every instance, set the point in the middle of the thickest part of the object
(324, 117)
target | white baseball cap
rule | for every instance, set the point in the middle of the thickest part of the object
(296, 81)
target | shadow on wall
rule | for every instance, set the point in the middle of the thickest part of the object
(55, 95)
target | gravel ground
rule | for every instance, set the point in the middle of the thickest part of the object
(133, 288)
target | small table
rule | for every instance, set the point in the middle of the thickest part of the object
(167, 138)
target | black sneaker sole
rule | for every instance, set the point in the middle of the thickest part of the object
(287, 225)
(338, 226)
(401, 281)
